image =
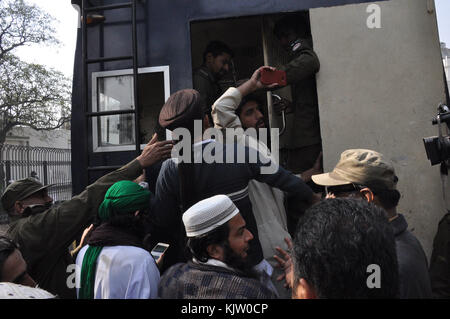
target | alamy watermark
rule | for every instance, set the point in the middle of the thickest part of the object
(374, 19)
(374, 279)
(236, 147)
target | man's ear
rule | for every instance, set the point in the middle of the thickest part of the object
(303, 290)
(209, 57)
(367, 194)
(215, 251)
(206, 123)
(18, 207)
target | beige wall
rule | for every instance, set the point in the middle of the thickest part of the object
(379, 89)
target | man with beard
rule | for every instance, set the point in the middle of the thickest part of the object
(219, 242)
(201, 168)
(44, 232)
(241, 108)
(216, 64)
(116, 264)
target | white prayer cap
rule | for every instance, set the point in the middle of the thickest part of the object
(208, 214)
(9, 290)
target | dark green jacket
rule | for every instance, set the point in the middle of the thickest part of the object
(44, 238)
(300, 74)
(205, 83)
(440, 260)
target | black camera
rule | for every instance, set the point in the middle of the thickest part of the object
(438, 147)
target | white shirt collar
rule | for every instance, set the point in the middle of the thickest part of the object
(213, 262)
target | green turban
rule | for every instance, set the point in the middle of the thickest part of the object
(124, 197)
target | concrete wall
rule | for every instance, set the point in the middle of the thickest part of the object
(56, 139)
(378, 89)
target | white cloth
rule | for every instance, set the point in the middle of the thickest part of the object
(123, 272)
(267, 202)
(9, 290)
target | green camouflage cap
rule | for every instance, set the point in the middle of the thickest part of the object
(20, 190)
(360, 166)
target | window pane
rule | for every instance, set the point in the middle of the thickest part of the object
(115, 93)
(116, 130)
(151, 99)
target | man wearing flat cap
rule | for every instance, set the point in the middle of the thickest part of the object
(367, 174)
(218, 241)
(44, 232)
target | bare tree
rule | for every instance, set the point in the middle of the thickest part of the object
(23, 24)
(30, 94)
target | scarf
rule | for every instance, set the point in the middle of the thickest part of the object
(124, 197)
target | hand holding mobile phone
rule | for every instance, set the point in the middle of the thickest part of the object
(269, 76)
(159, 250)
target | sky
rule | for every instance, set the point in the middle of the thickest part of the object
(443, 19)
(59, 57)
(62, 57)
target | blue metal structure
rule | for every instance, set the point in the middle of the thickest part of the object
(153, 33)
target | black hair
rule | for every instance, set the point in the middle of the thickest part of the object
(335, 242)
(251, 97)
(388, 198)
(217, 48)
(7, 247)
(197, 245)
(297, 23)
(160, 131)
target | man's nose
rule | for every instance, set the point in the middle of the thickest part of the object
(226, 67)
(259, 114)
(249, 235)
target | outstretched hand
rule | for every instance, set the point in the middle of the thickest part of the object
(155, 151)
(285, 263)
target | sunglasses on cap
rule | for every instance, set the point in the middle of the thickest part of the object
(343, 190)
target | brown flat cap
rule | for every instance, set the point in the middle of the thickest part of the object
(360, 166)
(20, 190)
(181, 109)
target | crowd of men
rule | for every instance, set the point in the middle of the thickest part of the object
(231, 229)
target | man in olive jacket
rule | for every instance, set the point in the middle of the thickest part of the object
(304, 142)
(44, 232)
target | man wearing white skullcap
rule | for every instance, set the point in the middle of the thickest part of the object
(218, 241)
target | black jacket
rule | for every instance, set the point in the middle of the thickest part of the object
(211, 179)
(412, 262)
(440, 260)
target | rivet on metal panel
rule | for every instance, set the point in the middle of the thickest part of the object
(430, 6)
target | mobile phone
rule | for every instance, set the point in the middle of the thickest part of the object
(277, 76)
(158, 250)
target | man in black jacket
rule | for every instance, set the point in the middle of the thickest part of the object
(181, 183)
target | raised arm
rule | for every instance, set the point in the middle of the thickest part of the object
(224, 109)
(54, 229)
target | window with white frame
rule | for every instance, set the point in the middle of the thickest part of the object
(113, 91)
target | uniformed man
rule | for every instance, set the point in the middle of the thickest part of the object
(216, 64)
(45, 231)
(304, 142)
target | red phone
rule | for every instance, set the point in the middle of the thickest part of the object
(277, 76)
